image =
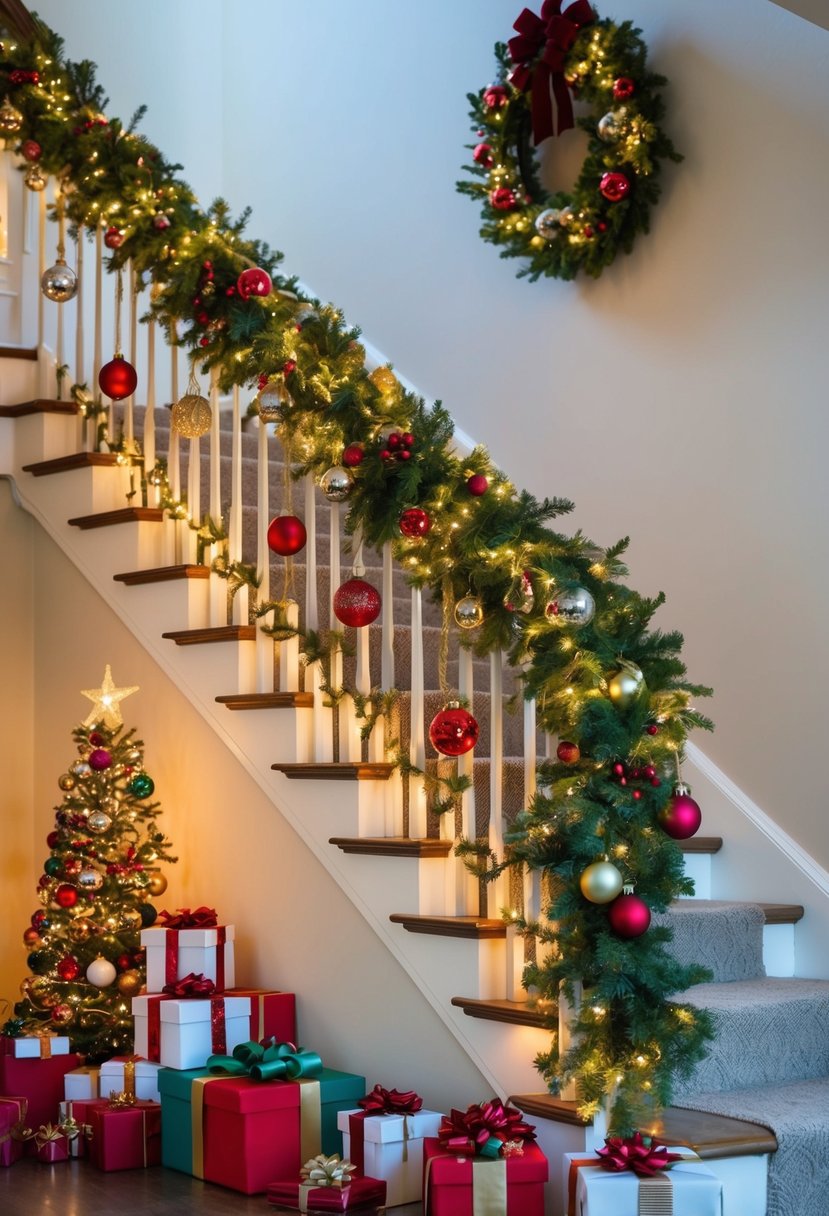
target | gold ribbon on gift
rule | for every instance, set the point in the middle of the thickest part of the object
(18, 1130)
(310, 1117)
(322, 1171)
(656, 1196)
(197, 1121)
(120, 1099)
(45, 1037)
(129, 1077)
(489, 1186)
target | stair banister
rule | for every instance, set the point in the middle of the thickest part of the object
(234, 539)
(387, 621)
(468, 885)
(85, 440)
(264, 645)
(132, 327)
(98, 323)
(417, 741)
(173, 547)
(148, 438)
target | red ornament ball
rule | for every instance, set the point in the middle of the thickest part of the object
(477, 485)
(68, 968)
(352, 456)
(495, 96)
(286, 535)
(123, 962)
(568, 753)
(503, 199)
(40, 920)
(453, 731)
(629, 916)
(161, 221)
(31, 938)
(118, 378)
(414, 522)
(254, 282)
(623, 87)
(614, 187)
(52, 839)
(96, 739)
(681, 816)
(66, 895)
(288, 366)
(99, 759)
(357, 603)
(652, 729)
(113, 238)
(482, 155)
(31, 149)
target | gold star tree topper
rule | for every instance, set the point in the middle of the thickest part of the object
(106, 700)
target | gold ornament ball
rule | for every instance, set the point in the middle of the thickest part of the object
(272, 400)
(336, 484)
(80, 930)
(66, 782)
(34, 179)
(157, 884)
(469, 612)
(11, 120)
(192, 416)
(59, 283)
(111, 924)
(384, 380)
(130, 983)
(131, 919)
(62, 1014)
(600, 882)
(626, 685)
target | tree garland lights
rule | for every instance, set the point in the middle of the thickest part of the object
(603, 65)
(604, 681)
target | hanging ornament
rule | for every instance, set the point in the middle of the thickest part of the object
(286, 535)
(81, 930)
(568, 753)
(469, 612)
(609, 127)
(477, 485)
(623, 88)
(453, 731)
(31, 938)
(305, 315)
(52, 866)
(600, 882)
(11, 120)
(141, 785)
(62, 1014)
(118, 378)
(272, 400)
(90, 879)
(30, 149)
(130, 919)
(352, 456)
(101, 972)
(68, 968)
(573, 606)
(520, 597)
(59, 283)
(130, 983)
(629, 916)
(548, 223)
(66, 781)
(40, 921)
(100, 759)
(357, 603)
(66, 895)
(681, 816)
(34, 179)
(113, 237)
(161, 222)
(625, 685)
(157, 884)
(254, 282)
(191, 414)
(384, 380)
(98, 822)
(148, 915)
(614, 187)
(414, 522)
(394, 443)
(336, 484)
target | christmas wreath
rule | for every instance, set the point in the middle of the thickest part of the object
(554, 58)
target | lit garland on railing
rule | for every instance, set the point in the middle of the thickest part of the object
(612, 688)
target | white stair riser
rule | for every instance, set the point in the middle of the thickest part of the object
(698, 867)
(396, 883)
(168, 606)
(44, 437)
(18, 380)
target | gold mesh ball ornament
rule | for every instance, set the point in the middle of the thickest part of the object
(384, 380)
(191, 414)
(34, 179)
(130, 983)
(11, 120)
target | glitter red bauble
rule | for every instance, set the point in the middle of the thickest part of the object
(614, 187)
(482, 155)
(96, 739)
(31, 938)
(357, 603)
(118, 378)
(99, 759)
(681, 816)
(31, 149)
(503, 199)
(453, 731)
(629, 916)
(66, 896)
(286, 535)
(477, 485)
(352, 456)
(414, 522)
(495, 96)
(113, 238)
(623, 87)
(52, 839)
(254, 282)
(568, 753)
(68, 968)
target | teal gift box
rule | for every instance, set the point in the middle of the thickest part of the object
(243, 1133)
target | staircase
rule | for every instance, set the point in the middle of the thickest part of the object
(391, 855)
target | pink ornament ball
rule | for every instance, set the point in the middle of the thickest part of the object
(254, 282)
(100, 759)
(614, 187)
(681, 815)
(629, 916)
(477, 485)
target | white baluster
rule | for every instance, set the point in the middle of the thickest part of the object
(387, 622)
(175, 546)
(234, 527)
(83, 424)
(496, 891)
(97, 329)
(218, 586)
(264, 644)
(567, 1014)
(193, 497)
(153, 494)
(417, 742)
(341, 730)
(42, 353)
(289, 652)
(531, 878)
(468, 886)
(312, 621)
(129, 404)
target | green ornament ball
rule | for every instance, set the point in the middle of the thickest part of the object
(141, 786)
(52, 866)
(40, 962)
(149, 915)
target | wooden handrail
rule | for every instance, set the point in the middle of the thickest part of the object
(18, 18)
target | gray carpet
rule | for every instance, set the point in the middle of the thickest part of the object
(725, 937)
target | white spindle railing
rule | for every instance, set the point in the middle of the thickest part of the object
(234, 526)
(264, 644)
(218, 585)
(387, 621)
(98, 324)
(468, 885)
(417, 741)
(132, 325)
(496, 895)
(84, 443)
(148, 444)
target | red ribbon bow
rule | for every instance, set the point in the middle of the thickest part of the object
(199, 918)
(470, 1132)
(391, 1102)
(634, 1153)
(539, 52)
(21, 76)
(191, 986)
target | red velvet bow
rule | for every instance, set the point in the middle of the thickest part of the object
(539, 51)
(390, 1102)
(199, 918)
(192, 985)
(634, 1153)
(471, 1132)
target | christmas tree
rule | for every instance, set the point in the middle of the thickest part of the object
(84, 943)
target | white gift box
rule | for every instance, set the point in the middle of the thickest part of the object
(33, 1046)
(393, 1150)
(78, 1144)
(81, 1085)
(193, 951)
(186, 1035)
(695, 1190)
(146, 1078)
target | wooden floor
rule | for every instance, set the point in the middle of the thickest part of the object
(76, 1188)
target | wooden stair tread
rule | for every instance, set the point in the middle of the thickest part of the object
(267, 700)
(517, 1013)
(701, 844)
(76, 460)
(41, 405)
(219, 633)
(124, 515)
(782, 914)
(480, 928)
(710, 1136)
(161, 574)
(19, 352)
(393, 846)
(335, 771)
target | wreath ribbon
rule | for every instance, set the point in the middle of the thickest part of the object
(547, 39)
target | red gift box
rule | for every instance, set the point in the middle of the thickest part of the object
(78, 1109)
(12, 1113)
(272, 1014)
(449, 1180)
(362, 1195)
(124, 1137)
(252, 1134)
(40, 1081)
(52, 1151)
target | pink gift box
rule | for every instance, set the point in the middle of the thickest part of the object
(362, 1195)
(126, 1137)
(12, 1112)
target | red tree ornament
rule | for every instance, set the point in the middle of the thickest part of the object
(99, 759)
(477, 485)
(117, 379)
(681, 816)
(623, 88)
(629, 916)
(503, 199)
(286, 535)
(482, 155)
(254, 282)
(495, 96)
(614, 187)
(414, 522)
(66, 895)
(113, 238)
(31, 149)
(568, 753)
(68, 968)
(161, 221)
(352, 456)
(357, 603)
(453, 731)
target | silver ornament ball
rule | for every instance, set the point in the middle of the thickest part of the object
(59, 283)
(548, 223)
(625, 685)
(271, 402)
(98, 822)
(90, 880)
(609, 127)
(469, 612)
(574, 606)
(336, 484)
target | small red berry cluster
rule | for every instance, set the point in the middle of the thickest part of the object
(625, 774)
(398, 446)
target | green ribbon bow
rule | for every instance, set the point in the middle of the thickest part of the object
(267, 1061)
